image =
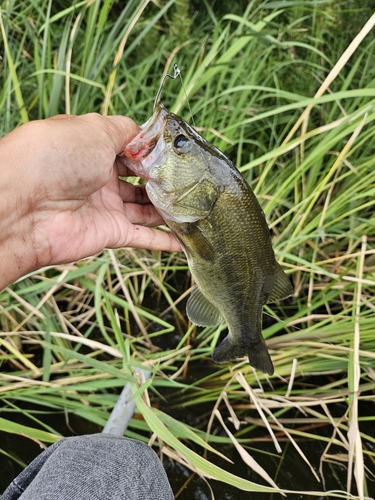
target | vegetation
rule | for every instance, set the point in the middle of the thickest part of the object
(273, 85)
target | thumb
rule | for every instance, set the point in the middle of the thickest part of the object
(122, 130)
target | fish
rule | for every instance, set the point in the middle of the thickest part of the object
(221, 227)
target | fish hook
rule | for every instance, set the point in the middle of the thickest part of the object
(176, 73)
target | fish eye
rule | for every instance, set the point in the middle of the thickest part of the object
(181, 144)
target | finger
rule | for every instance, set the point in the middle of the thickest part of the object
(131, 193)
(144, 215)
(122, 130)
(152, 239)
(122, 167)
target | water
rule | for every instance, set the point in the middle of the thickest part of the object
(287, 469)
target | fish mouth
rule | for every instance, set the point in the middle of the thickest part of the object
(144, 143)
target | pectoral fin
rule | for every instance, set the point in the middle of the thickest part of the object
(193, 239)
(282, 287)
(201, 245)
(201, 311)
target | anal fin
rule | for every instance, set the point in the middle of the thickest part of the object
(282, 287)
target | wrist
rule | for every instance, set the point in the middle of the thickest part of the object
(14, 260)
(15, 256)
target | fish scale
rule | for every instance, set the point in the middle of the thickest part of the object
(221, 227)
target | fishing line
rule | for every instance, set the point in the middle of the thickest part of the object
(176, 73)
(187, 99)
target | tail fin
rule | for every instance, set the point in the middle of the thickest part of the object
(258, 354)
(260, 358)
(227, 350)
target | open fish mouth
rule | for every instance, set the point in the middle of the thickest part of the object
(144, 143)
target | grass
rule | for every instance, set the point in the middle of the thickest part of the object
(273, 86)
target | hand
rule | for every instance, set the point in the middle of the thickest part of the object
(61, 198)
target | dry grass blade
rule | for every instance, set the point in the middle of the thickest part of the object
(69, 62)
(291, 378)
(355, 443)
(246, 457)
(335, 71)
(260, 407)
(26, 304)
(93, 344)
(119, 53)
(241, 379)
(233, 417)
(9, 345)
(74, 334)
(128, 298)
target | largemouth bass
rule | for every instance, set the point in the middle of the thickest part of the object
(221, 227)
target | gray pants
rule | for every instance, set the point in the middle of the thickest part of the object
(95, 467)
